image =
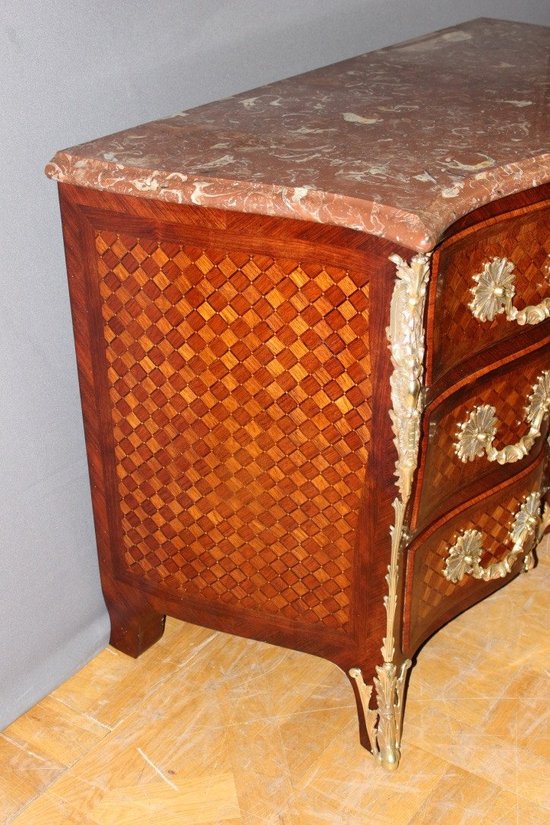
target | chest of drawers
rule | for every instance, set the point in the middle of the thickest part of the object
(313, 338)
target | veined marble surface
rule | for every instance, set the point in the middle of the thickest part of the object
(400, 142)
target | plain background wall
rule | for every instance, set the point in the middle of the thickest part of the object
(71, 71)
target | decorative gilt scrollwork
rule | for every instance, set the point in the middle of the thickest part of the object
(544, 524)
(476, 433)
(406, 338)
(465, 554)
(545, 519)
(494, 292)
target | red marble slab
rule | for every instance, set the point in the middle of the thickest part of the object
(399, 142)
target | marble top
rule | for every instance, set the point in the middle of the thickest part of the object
(399, 142)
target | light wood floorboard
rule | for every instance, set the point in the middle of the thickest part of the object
(210, 729)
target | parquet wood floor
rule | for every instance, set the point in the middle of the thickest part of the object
(209, 729)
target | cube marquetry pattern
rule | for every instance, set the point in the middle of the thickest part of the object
(240, 390)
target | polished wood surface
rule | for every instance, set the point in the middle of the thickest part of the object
(330, 334)
(445, 481)
(472, 363)
(522, 236)
(431, 599)
(235, 379)
(208, 728)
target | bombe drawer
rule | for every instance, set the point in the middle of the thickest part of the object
(486, 431)
(489, 281)
(460, 560)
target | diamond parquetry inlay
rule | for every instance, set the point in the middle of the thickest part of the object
(239, 389)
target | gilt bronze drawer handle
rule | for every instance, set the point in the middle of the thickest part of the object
(494, 292)
(465, 554)
(476, 433)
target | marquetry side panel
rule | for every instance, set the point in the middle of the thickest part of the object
(240, 398)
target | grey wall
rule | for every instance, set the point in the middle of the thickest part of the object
(72, 70)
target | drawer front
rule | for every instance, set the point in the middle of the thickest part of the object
(470, 555)
(489, 281)
(483, 434)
